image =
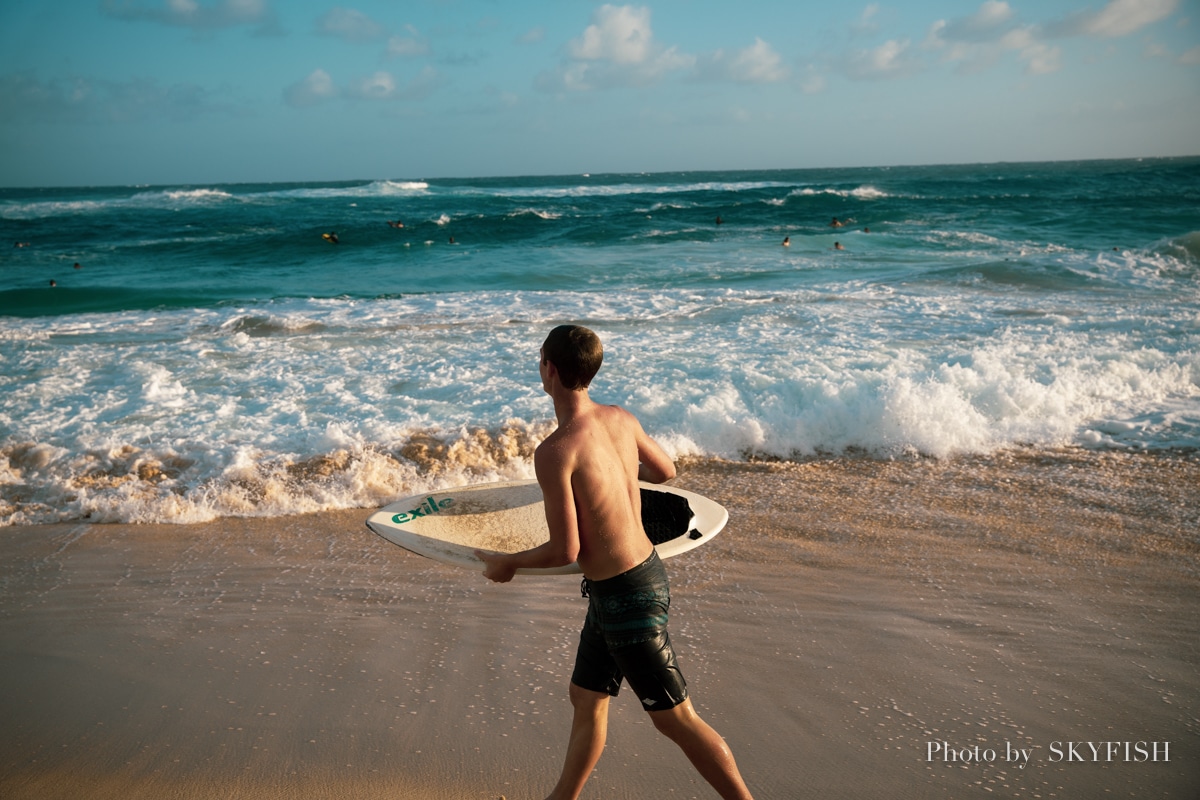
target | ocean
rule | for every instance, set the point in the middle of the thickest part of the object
(205, 352)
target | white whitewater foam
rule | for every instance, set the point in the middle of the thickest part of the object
(310, 405)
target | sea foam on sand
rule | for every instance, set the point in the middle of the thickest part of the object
(857, 621)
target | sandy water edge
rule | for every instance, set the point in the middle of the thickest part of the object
(853, 613)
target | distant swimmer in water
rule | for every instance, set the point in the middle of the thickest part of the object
(396, 224)
(20, 244)
(452, 240)
(837, 223)
(866, 230)
(53, 282)
(838, 246)
(787, 241)
(330, 237)
(719, 220)
(77, 266)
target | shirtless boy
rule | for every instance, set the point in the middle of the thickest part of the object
(588, 470)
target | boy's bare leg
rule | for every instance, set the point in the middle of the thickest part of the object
(704, 747)
(589, 727)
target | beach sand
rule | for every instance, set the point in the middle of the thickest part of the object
(854, 616)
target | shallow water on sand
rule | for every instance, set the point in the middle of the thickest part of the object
(853, 612)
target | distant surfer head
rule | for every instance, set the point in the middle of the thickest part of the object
(576, 354)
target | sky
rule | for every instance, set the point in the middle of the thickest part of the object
(131, 92)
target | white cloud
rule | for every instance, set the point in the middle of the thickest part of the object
(758, 63)
(982, 27)
(620, 34)
(349, 25)
(616, 49)
(407, 47)
(319, 87)
(1122, 17)
(380, 86)
(1040, 58)
(866, 21)
(979, 41)
(411, 45)
(993, 32)
(316, 88)
(935, 39)
(991, 15)
(889, 60)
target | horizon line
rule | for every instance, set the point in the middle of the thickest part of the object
(36, 187)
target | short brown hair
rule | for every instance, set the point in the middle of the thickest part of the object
(576, 353)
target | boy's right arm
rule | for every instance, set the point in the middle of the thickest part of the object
(562, 548)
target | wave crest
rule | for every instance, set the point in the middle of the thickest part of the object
(187, 195)
(257, 326)
(859, 193)
(40, 483)
(1186, 248)
(166, 198)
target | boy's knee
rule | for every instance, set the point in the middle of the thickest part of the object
(666, 725)
(585, 699)
(673, 722)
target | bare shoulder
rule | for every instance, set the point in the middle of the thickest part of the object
(617, 423)
(617, 415)
(553, 448)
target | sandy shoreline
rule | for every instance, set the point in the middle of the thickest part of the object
(853, 615)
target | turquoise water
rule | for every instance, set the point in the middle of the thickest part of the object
(212, 354)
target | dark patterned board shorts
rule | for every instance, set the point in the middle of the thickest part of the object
(625, 638)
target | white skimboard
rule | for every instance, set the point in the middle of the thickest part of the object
(449, 525)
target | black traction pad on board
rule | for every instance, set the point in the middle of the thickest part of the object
(665, 516)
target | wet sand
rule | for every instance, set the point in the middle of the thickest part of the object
(855, 618)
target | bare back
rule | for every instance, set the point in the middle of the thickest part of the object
(596, 457)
